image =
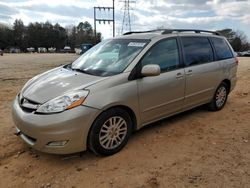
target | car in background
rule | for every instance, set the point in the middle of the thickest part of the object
(244, 53)
(31, 49)
(41, 50)
(78, 51)
(66, 49)
(85, 47)
(238, 54)
(81, 49)
(15, 50)
(51, 50)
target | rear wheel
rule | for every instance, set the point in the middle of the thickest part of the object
(220, 97)
(110, 132)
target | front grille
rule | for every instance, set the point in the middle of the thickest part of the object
(27, 109)
(27, 105)
(29, 137)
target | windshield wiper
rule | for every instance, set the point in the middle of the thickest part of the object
(78, 70)
(81, 70)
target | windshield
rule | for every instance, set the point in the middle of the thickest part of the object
(109, 57)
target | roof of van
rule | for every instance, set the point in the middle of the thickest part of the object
(154, 33)
(139, 36)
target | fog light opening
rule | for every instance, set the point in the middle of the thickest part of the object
(57, 143)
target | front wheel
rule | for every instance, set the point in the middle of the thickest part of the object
(110, 132)
(220, 98)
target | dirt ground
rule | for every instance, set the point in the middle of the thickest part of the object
(197, 148)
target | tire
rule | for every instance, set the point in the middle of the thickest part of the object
(110, 132)
(219, 98)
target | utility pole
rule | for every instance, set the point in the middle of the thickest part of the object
(104, 20)
(113, 18)
(126, 22)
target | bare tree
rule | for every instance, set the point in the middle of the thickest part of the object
(237, 39)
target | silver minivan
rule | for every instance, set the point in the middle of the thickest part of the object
(121, 85)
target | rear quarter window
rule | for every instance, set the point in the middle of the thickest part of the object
(222, 49)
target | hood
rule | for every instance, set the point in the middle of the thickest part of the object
(56, 82)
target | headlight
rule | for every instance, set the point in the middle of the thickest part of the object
(64, 102)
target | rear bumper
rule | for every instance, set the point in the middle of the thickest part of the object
(233, 83)
(71, 127)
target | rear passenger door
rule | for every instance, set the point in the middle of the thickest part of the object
(162, 95)
(202, 72)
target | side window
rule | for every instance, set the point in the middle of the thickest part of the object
(165, 54)
(197, 50)
(222, 49)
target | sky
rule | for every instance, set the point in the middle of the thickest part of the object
(144, 14)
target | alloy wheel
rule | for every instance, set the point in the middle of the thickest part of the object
(113, 132)
(221, 96)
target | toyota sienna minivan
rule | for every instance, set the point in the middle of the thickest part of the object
(121, 85)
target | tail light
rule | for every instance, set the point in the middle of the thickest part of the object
(237, 60)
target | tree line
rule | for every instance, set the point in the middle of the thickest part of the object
(237, 39)
(46, 35)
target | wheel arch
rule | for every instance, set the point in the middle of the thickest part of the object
(228, 83)
(126, 108)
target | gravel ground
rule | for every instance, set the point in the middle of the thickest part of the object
(197, 148)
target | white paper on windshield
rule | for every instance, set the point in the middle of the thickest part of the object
(136, 44)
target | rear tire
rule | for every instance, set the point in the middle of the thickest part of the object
(220, 97)
(110, 132)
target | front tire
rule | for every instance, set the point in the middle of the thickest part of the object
(110, 132)
(220, 97)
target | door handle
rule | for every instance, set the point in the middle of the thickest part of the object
(189, 72)
(179, 75)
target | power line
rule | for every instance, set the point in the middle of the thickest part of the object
(104, 20)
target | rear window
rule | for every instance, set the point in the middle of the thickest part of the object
(222, 49)
(197, 50)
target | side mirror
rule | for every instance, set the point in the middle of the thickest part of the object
(151, 70)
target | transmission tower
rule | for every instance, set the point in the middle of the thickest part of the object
(126, 22)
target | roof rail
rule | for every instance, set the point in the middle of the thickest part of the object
(169, 31)
(138, 32)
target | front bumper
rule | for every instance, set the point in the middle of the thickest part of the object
(38, 130)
